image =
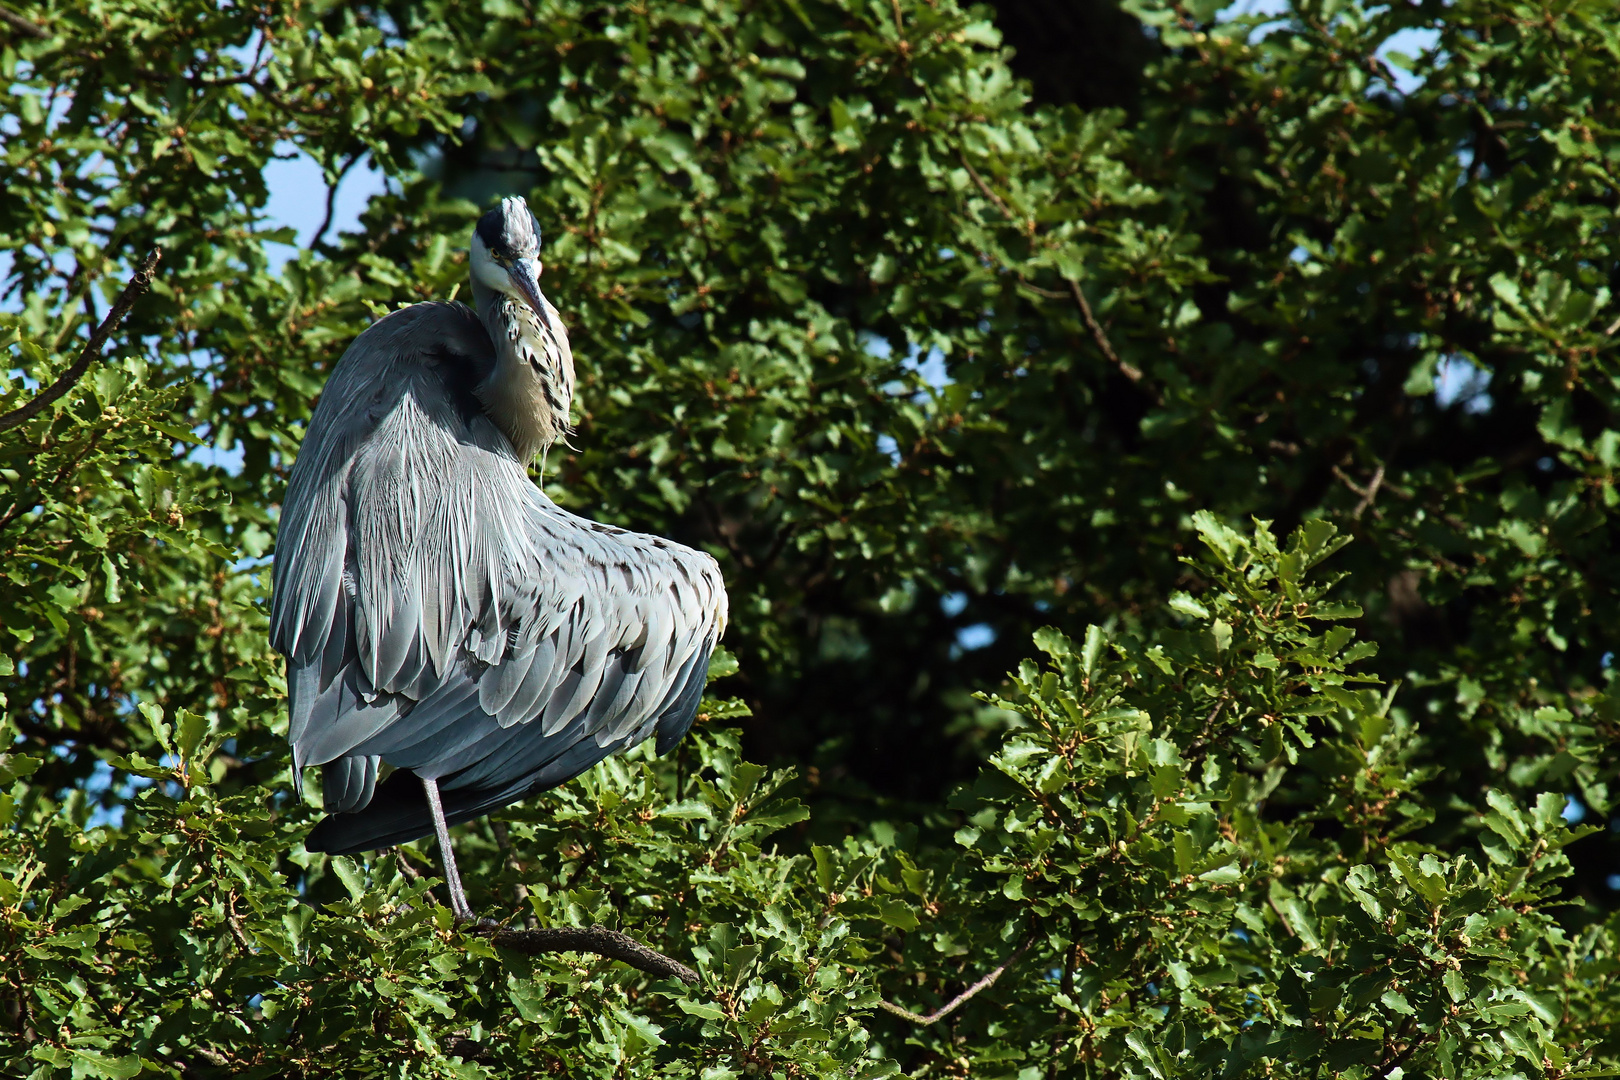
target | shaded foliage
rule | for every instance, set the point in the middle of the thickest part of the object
(929, 367)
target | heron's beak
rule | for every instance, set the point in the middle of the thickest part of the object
(525, 276)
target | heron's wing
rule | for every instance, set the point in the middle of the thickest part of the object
(417, 360)
(440, 613)
(592, 639)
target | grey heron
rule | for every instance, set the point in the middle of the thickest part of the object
(438, 613)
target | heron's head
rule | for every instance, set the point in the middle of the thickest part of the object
(506, 254)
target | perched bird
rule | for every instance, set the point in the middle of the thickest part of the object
(438, 613)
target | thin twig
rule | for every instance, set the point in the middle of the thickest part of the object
(236, 927)
(1201, 744)
(1379, 482)
(1613, 328)
(136, 288)
(1281, 918)
(598, 939)
(331, 198)
(410, 871)
(1130, 371)
(960, 999)
(22, 25)
(1050, 294)
(1401, 1058)
(984, 187)
(520, 891)
(1373, 485)
(1344, 478)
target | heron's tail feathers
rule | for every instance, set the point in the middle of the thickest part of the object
(348, 782)
(398, 811)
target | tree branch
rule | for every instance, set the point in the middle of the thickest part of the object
(961, 999)
(22, 25)
(984, 187)
(411, 872)
(598, 939)
(331, 197)
(520, 891)
(136, 288)
(1130, 371)
(236, 927)
(1391, 1064)
(1371, 493)
(548, 939)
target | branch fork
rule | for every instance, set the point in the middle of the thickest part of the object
(965, 996)
(137, 287)
(549, 939)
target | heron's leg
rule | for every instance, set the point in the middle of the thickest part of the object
(452, 877)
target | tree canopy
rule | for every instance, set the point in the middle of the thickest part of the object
(1265, 390)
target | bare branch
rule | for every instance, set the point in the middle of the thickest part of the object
(1373, 485)
(331, 197)
(548, 939)
(1391, 1064)
(411, 873)
(136, 288)
(22, 25)
(1368, 494)
(1050, 294)
(520, 891)
(984, 187)
(236, 927)
(1344, 478)
(1130, 371)
(598, 939)
(961, 999)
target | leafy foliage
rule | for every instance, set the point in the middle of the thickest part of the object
(1191, 930)
(913, 356)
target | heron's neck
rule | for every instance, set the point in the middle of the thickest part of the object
(528, 392)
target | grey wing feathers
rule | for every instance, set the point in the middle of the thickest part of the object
(441, 615)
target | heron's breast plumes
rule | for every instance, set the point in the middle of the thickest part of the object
(530, 390)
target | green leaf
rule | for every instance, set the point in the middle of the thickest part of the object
(1229, 874)
(348, 873)
(1186, 605)
(157, 726)
(94, 1063)
(190, 730)
(1092, 652)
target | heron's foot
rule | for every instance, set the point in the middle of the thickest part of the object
(477, 925)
